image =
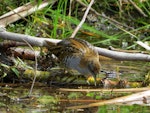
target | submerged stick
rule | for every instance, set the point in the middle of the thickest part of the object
(104, 90)
(140, 97)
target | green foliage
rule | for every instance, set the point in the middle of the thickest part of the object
(54, 22)
(94, 95)
(47, 99)
(15, 71)
(4, 69)
(74, 95)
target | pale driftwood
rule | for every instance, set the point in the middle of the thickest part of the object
(143, 45)
(123, 55)
(142, 98)
(22, 12)
(35, 41)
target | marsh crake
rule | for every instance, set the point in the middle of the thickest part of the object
(79, 55)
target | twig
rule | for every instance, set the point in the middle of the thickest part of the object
(120, 5)
(83, 19)
(120, 27)
(110, 19)
(137, 8)
(143, 45)
(35, 71)
(70, 7)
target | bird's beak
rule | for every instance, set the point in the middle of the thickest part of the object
(93, 74)
(95, 80)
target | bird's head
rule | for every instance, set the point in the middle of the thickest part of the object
(94, 67)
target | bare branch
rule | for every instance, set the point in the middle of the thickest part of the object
(143, 45)
(123, 55)
(35, 41)
(83, 20)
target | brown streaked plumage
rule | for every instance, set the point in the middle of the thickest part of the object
(78, 54)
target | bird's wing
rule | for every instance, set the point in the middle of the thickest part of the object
(72, 46)
(78, 45)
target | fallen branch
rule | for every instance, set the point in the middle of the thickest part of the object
(35, 41)
(22, 12)
(123, 55)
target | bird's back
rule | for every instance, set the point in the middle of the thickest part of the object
(76, 45)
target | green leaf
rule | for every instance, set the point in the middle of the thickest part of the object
(15, 71)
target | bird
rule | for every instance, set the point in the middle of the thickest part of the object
(77, 54)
